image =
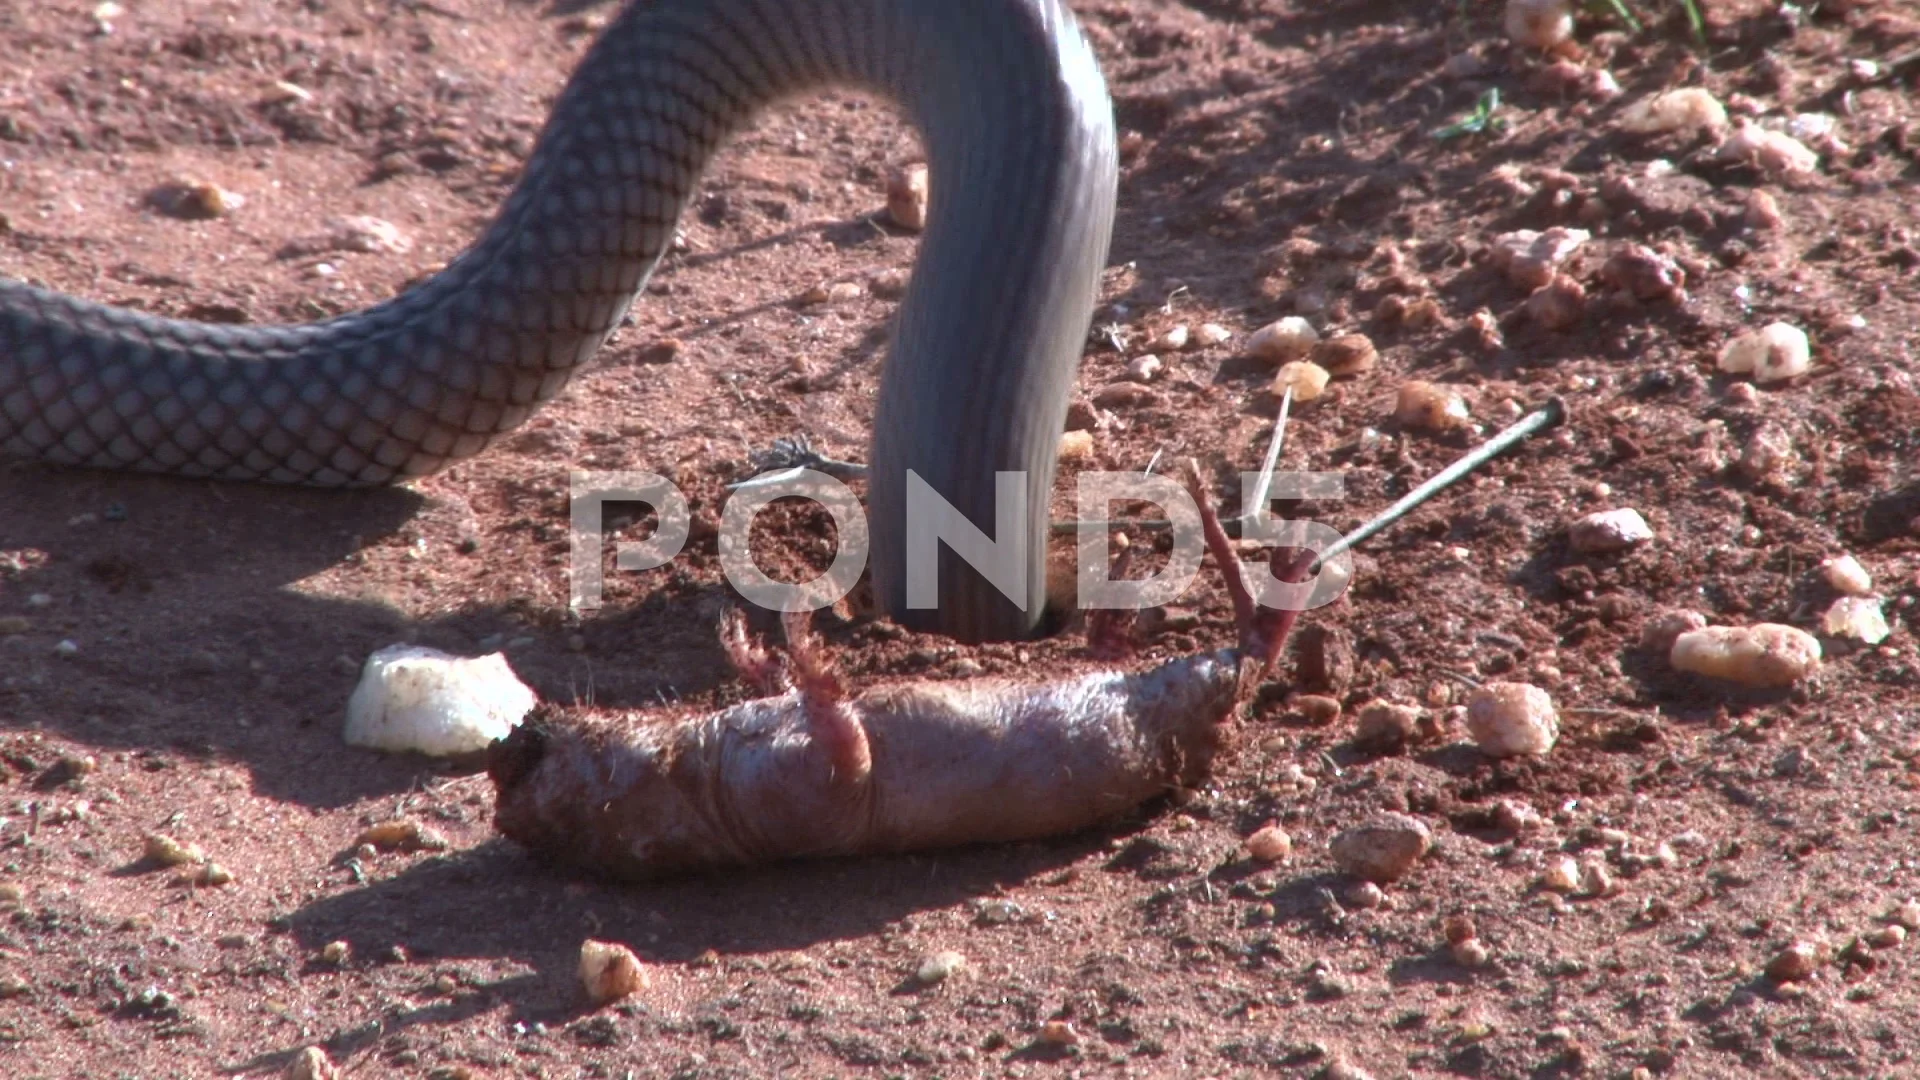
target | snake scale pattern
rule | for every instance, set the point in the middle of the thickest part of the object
(1020, 143)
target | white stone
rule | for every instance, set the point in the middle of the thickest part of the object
(1857, 618)
(1512, 719)
(1609, 530)
(1765, 654)
(415, 698)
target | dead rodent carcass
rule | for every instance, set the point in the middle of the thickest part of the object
(815, 770)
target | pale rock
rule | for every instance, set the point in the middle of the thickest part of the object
(416, 698)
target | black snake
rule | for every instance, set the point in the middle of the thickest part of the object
(1019, 134)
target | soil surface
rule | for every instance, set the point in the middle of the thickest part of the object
(175, 656)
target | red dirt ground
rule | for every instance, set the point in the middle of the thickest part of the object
(1283, 159)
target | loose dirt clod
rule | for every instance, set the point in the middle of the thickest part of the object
(1765, 654)
(1384, 849)
(1512, 719)
(1212, 334)
(1144, 368)
(610, 971)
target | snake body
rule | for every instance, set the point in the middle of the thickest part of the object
(1019, 135)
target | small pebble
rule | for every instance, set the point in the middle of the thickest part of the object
(1512, 719)
(1364, 896)
(196, 200)
(1857, 618)
(212, 875)
(311, 1063)
(1058, 1033)
(166, 851)
(1342, 1069)
(66, 647)
(1539, 24)
(1765, 654)
(1385, 725)
(1595, 880)
(1269, 843)
(939, 967)
(1471, 953)
(1645, 274)
(1774, 152)
(890, 284)
(1688, 109)
(11, 896)
(335, 953)
(1795, 962)
(1773, 353)
(1318, 709)
(998, 912)
(1514, 818)
(1770, 452)
(1763, 211)
(1560, 874)
(1558, 305)
(1891, 936)
(1286, 339)
(1608, 531)
(14, 624)
(1384, 849)
(1346, 354)
(610, 971)
(1305, 378)
(907, 197)
(1845, 575)
(13, 986)
(1076, 446)
(1530, 259)
(1907, 915)
(1144, 368)
(1422, 404)
(1172, 339)
(1211, 334)
(402, 835)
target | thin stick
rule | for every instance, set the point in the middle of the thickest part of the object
(1548, 415)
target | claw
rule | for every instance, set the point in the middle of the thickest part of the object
(1263, 630)
(830, 716)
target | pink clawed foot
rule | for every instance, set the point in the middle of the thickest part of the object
(830, 717)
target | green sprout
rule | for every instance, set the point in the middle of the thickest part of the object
(1480, 121)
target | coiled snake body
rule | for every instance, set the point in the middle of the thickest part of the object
(1020, 146)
